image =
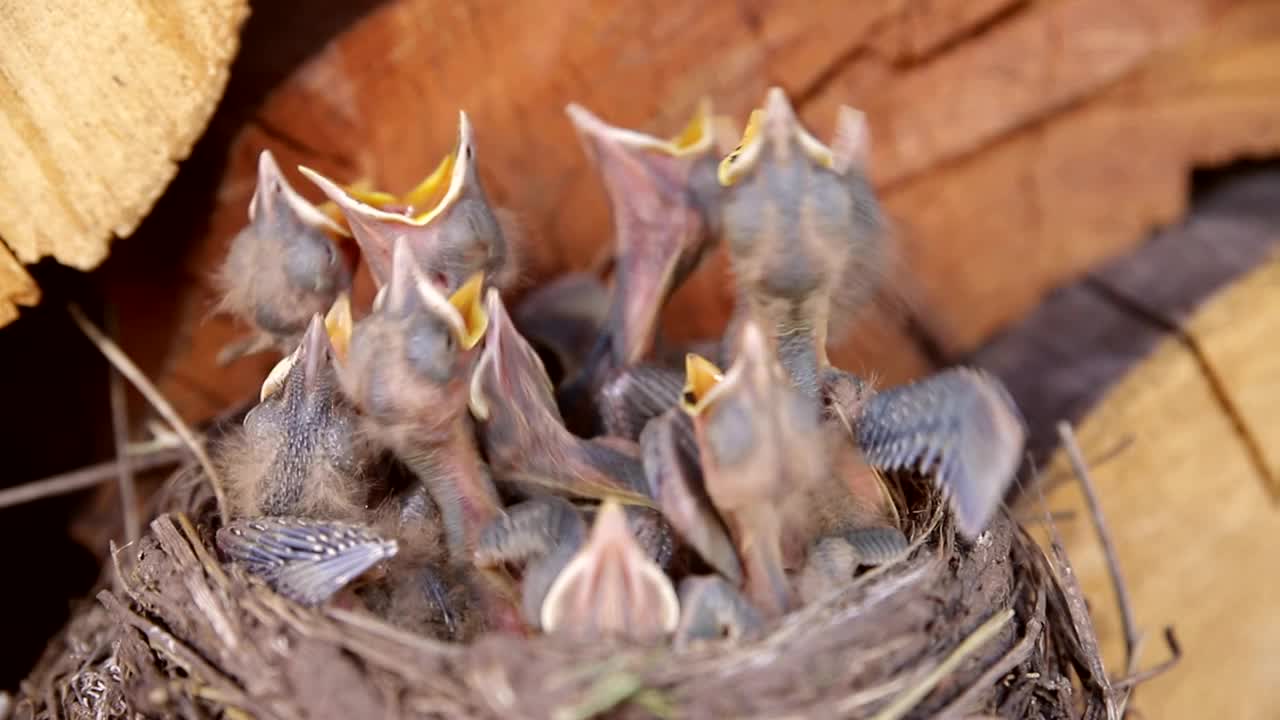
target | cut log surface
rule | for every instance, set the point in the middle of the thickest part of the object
(1016, 144)
(1193, 524)
(1061, 359)
(98, 104)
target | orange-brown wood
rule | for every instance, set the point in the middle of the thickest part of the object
(1015, 144)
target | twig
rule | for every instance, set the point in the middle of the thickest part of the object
(120, 432)
(1132, 637)
(1036, 518)
(1119, 448)
(87, 477)
(1085, 653)
(1175, 655)
(976, 639)
(116, 357)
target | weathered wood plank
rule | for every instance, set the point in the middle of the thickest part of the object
(1191, 522)
(97, 106)
(1062, 358)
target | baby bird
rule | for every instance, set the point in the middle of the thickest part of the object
(806, 242)
(427, 592)
(307, 561)
(782, 477)
(538, 536)
(408, 370)
(563, 319)
(959, 425)
(671, 466)
(665, 201)
(632, 396)
(804, 232)
(762, 453)
(284, 266)
(611, 588)
(447, 220)
(712, 609)
(522, 433)
(579, 585)
(299, 453)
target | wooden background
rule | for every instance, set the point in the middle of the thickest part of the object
(1015, 144)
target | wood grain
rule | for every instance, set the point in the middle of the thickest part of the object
(1192, 524)
(16, 287)
(97, 106)
(1061, 358)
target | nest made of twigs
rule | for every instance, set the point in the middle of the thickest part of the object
(952, 629)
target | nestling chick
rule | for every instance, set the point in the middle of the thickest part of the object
(300, 453)
(426, 592)
(284, 266)
(960, 425)
(632, 396)
(713, 609)
(762, 453)
(563, 320)
(409, 367)
(521, 430)
(538, 537)
(666, 204)
(670, 456)
(781, 477)
(806, 242)
(447, 220)
(610, 588)
(308, 561)
(831, 562)
(804, 232)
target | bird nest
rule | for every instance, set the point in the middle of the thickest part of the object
(758, 471)
(951, 629)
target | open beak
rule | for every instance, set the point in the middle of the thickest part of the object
(659, 217)
(611, 588)
(275, 200)
(775, 131)
(468, 301)
(338, 325)
(312, 355)
(701, 377)
(455, 244)
(461, 312)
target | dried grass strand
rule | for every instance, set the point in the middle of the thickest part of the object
(1132, 636)
(975, 640)
(120, 433)
(130, 371)
(88, 477)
